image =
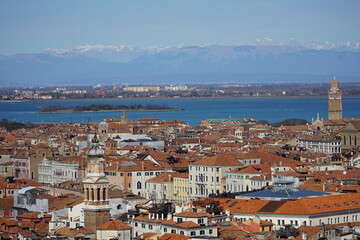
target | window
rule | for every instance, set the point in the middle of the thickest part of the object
(173, 231)
(146, 173)
(179, 220)
(202, 232)
(136, 224)
(143, 225)
(150, 226)
(129, 174)
(138, 185)
(192, 233)
(346, 203)
(210, 231)
(138, 174)
(121, 174)
(165, 229)
(200, 220)
(182, 232)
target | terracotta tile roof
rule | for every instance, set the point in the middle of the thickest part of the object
(32, 215)
(7, 203)
(145, 218)
(163, 177)
(71, 232)
(192, 214)
(181, 175)
(227, 159)
(148, 235)
(253, 169)
(186, 224)
(173, 236)
(64, 201)
(114, 225)
(332, 203)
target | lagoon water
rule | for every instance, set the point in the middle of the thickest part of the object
(195, 109)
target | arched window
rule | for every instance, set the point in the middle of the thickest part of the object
(92, 194)
(344, 140)
(202, 232)
(98, 194)
(138, 185)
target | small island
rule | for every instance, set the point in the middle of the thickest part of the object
(105, 108)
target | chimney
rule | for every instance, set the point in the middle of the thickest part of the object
(162, 216)
(169, 216)
(304, 236)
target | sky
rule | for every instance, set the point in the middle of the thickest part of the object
(33, 26)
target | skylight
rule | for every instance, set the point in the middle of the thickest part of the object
(317, 206)
(232, 204)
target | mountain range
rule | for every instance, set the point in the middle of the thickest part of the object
(291, 61)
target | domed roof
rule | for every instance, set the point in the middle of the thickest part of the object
(95, 151)
(103, 124)
(334, 83)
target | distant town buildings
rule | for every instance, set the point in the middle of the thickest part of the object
(142, 89)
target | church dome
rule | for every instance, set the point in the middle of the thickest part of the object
(103, 124)
(95, 151)
(334, 83)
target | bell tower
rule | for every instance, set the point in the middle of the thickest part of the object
(335, 101)
(124, 117)
(96, 187)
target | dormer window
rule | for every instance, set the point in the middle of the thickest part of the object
(179, 220)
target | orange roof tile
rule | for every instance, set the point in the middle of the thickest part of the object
(114, 225)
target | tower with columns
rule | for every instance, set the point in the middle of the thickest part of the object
(335, 101)
(96, 187)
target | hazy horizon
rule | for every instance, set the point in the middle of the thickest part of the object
(33, 26)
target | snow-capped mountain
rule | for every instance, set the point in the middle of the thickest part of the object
(183, 63)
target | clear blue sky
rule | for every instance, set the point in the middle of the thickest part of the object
(32, 26)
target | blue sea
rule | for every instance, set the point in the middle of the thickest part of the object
(195, 109)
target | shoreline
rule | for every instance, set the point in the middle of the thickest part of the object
(148, 98)
(117, 110)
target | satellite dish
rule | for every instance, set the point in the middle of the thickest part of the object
(344, 172)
